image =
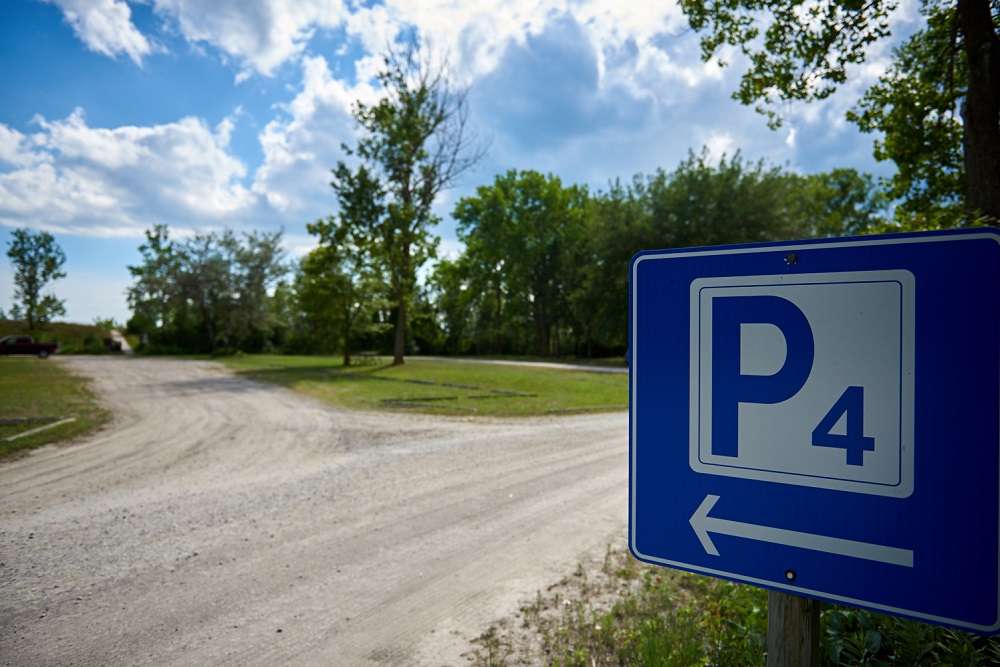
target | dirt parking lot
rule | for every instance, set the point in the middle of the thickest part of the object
(218, 521)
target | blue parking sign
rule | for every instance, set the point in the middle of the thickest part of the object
(823, 418)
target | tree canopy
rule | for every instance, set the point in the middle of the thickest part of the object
(545, 266)
(37, 260)
(803, 51)
(206, 293)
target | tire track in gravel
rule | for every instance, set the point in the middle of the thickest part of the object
(220, 521)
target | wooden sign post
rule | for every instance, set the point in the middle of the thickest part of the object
(792, 630)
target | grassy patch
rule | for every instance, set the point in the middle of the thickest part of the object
(37, 393)
(626, 613)
(441, 387)
(72, 338)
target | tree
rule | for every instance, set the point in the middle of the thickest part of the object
(338, 286)
(522, 234)
(215, 283)
(840, 202)
(802, 52)
(701, 204)
(152, 296)
(415, 144)
(37, 260)
(914, 107)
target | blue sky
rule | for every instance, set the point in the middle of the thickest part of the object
(207, 114)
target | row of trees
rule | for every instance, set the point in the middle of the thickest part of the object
(519, 286)
(209, 292)
(544, 270)
(545, 263)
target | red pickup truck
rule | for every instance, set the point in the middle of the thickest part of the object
(27, 345)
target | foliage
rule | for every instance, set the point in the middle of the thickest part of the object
(522, 237)
(37, 260)
(544, 270)
(631, 614)
(207, 293)
(914, 107)
(797, 51)
(545, 266)
(802, 51)
(840, 202)
(414, 145)
(339, 300)
(341, 284)
(859, 637)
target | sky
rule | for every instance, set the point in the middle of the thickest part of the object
(205, 115)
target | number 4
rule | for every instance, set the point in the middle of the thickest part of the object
(852, 404)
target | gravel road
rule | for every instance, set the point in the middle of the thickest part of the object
(219, 521)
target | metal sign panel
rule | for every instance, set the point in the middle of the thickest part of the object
(823, 418)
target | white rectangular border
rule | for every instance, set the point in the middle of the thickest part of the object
(906, 392)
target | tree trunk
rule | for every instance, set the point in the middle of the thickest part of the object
(981, 109)
(399, 348)
(347, 344)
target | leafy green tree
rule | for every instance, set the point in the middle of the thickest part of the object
(37, 260)
(449, 284)
(522, 234)
(802, 52)
(701, 204)
(914, 108)
(415, 144)
(152, 295)
(840, 202)
(216, 283)
(339, 288)
(621, 225)
(227, 279)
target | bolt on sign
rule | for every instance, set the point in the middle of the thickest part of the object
(823, 418)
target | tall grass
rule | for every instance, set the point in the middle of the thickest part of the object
(629, 614)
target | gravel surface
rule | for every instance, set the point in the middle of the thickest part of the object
(218, 521)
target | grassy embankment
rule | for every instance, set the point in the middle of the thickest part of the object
(629, 614)
(72, 338)
(37, 393)
(441, 387)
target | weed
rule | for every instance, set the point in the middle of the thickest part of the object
(620, 612)
(494, 649)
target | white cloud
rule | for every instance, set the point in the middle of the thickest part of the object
(119, 181)
(260, 35)
(15, 148)
(106, 27)
(300, 149)
(720, 145)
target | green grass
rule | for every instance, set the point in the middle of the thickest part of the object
(38, 392)
(441, 387)
(72, 338)
(630, 614)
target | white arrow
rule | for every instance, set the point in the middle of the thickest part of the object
(704, 524)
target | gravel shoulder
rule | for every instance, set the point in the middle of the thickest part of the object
(225, 522)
